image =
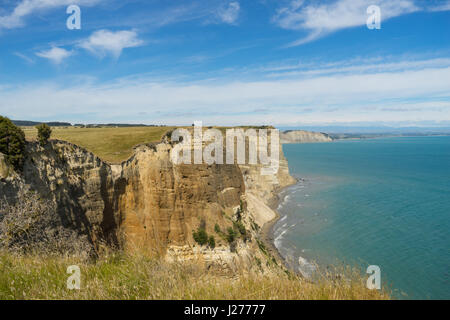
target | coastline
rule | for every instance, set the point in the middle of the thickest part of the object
(267, 233)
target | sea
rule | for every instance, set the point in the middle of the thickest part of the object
(383, 202)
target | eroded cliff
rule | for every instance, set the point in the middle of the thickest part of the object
(149, 204)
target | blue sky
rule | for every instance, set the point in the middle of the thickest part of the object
(281, 62)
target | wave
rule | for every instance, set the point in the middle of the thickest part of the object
(305, 267)
(284, 201)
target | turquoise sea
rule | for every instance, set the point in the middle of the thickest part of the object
(382, 202)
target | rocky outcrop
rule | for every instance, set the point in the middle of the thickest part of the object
(149, 204)
(301, 136)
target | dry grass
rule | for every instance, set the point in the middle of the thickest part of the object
(113, 145)
(119, 276)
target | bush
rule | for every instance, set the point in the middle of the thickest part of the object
(12, 143)
(241, 228)
(44, 133)
(231, 236)
(217, 228)
(32, 225)
(212, 242)
(201, 237)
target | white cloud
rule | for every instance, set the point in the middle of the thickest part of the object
(421, 94)
(229, 14)
(322, 19)
(55, 54)
(26, 7)
(104, 42)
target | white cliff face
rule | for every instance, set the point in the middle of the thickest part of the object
(301, 136)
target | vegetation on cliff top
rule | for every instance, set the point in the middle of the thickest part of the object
(44, 133)
(113, 145)
(12, 143)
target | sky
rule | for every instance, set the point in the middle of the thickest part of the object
(227, 62)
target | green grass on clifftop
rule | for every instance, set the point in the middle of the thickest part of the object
(113, 145)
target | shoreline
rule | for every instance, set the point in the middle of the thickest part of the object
(267, 233)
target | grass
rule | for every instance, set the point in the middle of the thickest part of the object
(120, 276)
(113, 145)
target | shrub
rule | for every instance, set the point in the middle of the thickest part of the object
(44, 133)
(200, 236)
(262, 246)
(212, 242)
(231, 236)
(217, 228)
(241, 228)
(32, 225)
(12, 143)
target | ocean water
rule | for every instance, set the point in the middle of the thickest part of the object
(383, 202)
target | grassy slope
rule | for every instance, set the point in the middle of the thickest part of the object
(113, 145)
(135, 277)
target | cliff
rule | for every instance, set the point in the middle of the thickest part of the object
(148, 204)
(300, 136)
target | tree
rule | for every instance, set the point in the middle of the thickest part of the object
(44, 133)
(12, 143)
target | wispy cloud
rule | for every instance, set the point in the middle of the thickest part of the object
(27, 7)
(105, 42)
(354, 67)
(229, 13)
(182, 11)
(338, 98)
(55, 54)
(319, 20)
(442, 6)
(24, 57)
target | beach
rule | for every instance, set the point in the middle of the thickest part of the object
(267, 232)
